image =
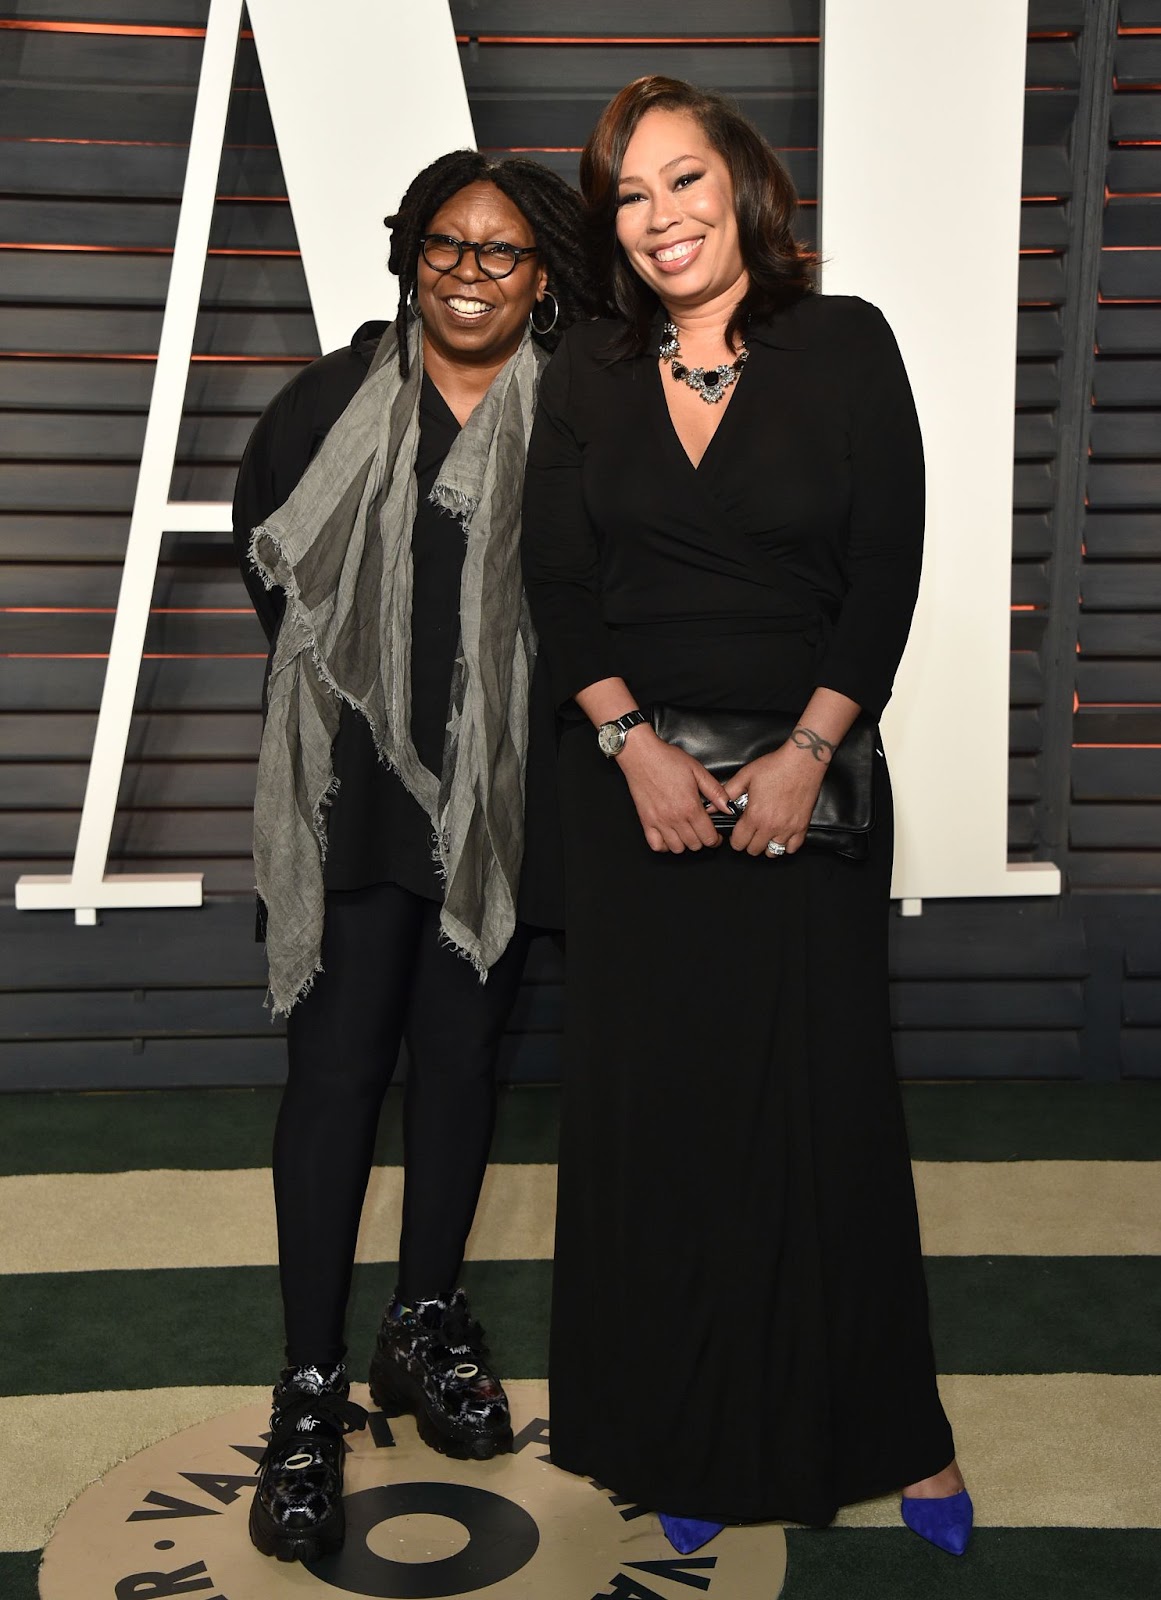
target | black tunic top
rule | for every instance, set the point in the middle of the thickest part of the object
(806, 509)
(376, 831)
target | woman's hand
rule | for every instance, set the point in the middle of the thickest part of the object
(782, 789)
(667, 786)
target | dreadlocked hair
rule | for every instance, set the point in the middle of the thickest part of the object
(551, 208)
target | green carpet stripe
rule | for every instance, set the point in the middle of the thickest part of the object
(1016, 1563)
(134, 1330)
(1034, 1121)
(214, 1129)
(18, 1569)
(1046, 1313)
(140, 1330)
(225, 1128)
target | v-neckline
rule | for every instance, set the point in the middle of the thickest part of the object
(694, 466)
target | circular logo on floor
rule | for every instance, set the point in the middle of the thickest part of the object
(172, 1521)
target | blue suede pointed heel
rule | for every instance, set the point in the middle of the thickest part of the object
(687, 1534)
(946, 1522)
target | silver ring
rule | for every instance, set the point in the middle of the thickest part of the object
(775, 849)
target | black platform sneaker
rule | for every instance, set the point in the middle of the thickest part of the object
(429, 1359)
(297, 1514)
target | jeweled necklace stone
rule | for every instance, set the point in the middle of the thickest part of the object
(708, 382)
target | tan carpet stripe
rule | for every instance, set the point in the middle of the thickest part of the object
(1068, 1449)
(77, 1222)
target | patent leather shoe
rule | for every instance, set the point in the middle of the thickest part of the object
(297, 1512)
(945, 1521)
(687, 1534)
(431, 1359)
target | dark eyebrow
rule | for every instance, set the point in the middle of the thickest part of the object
(632, 178)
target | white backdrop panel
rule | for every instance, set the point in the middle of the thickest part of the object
(922, 142)
(363, 94)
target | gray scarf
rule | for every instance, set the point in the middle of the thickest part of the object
(341, 549)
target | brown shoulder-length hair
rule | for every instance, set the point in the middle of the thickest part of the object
(765, 202)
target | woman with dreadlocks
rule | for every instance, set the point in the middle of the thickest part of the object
(404, 824)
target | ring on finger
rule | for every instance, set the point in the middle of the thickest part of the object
(775, 849)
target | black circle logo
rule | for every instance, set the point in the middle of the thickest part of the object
(502, 1538)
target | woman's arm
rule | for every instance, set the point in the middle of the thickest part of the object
(883, 560)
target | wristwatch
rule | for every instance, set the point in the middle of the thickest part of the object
(611, 735)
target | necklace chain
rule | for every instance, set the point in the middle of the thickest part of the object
(710, 383)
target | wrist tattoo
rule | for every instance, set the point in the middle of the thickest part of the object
(806, 739)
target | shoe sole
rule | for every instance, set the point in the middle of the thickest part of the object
(401, 1396)
(270, 1540)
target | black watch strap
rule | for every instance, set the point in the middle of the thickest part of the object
(631, 719)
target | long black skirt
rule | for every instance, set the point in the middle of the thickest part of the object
(740, 1322)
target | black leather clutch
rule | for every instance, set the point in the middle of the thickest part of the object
(724, 741)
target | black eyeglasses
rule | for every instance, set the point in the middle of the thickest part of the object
(443, 254)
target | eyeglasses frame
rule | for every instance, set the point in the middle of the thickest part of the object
(475, 246)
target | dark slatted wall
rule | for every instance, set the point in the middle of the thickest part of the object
(96, 102)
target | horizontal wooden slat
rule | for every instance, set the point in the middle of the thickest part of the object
(1025, 732)
(1134, 171)
(1025, 1053)
(154, 736)
(124, 331)
(1128, 633)
(601, 19)
(1110, 827)
(1130, 332)
(1117, 435)
(1117, 725)
(973, 1005)
(137, 834)
(117, 436)
(1026, 685)
(1033, 484)
(1128, 485)
(122, 278)
(227, 684)
(1122, 533)
(1116, 774)
(88, 60)
(207, 633)
(58, 586)
(1126, 383)
(61, 486)
(1030, 583)
(1135, 117)
(123, 171)
(1141, 1052)
(1039, 332)
(1031, 535)
(143, 224)
(1137, 63)
(126, 385)
(1108, 682)
(148, 785)
(1037, 382)
(1112, 870)
(1130, 275)
(1035, 433)
(1121, 586)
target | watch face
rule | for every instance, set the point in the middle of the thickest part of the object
(610, 738)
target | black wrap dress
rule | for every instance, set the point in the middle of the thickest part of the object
(740, 1324)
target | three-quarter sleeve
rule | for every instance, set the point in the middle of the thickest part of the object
(559, 546)
(885, 549)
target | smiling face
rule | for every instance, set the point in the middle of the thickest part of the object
(468, 316)
(675, 213)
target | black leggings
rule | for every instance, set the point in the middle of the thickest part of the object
(386, 977)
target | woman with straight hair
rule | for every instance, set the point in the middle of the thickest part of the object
(377, 518)
(723, 522)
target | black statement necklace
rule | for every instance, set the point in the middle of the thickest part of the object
(709, 383)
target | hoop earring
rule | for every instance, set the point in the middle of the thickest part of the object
(413, 304)
(548, 295)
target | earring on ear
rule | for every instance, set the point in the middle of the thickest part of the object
(413, 303)
(548, 295)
